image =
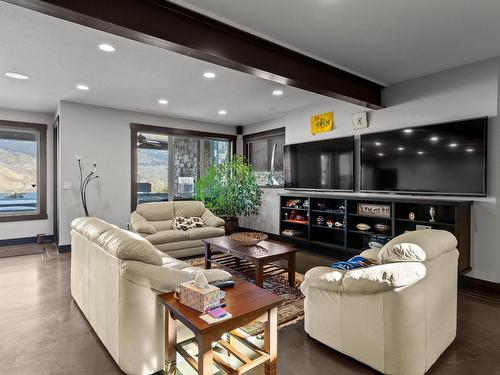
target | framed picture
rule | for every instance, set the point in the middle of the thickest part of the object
(375, 210)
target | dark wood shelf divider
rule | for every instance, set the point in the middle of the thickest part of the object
(450, 215)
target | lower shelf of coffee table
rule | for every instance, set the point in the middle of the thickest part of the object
(245, 266)
(232, 354)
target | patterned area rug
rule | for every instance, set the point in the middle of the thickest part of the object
(291, 312)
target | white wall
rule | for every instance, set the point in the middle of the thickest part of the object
(460, 93)
(103, 134)
(21, 229)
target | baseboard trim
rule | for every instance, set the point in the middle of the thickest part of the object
(64, 248)
(23, 241)
(487, 290)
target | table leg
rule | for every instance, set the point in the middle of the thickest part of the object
(204, 356)
(271, 341)
(208, 256)
(259, 274)
(170, 342)
(291, 270)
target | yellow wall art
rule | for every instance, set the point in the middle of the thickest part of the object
(322, 123)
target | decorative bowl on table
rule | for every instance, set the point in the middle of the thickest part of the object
(248, 238)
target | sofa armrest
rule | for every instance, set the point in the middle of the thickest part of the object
(164, 279)
(369, 280)
(383, 277)
(140, 225)
(212, 220)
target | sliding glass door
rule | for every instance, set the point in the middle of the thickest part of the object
(166, 164)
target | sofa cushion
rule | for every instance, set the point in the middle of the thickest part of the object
(370, 254)
(205, 232)
(91, 227)
(382, 277)
(156, 211)
(143, 227)
(127, 245)
(212, 220)
(401, 252)
(433, 241)
(188, 208)
(185, 223)
(167, 236)
(162, 225)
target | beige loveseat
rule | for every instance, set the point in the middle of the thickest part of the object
(153, 221)
(116, 276)
(396, 317)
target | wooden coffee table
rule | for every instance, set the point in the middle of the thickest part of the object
(246, 303)
(258, 257)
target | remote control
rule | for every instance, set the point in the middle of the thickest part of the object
(224, 284)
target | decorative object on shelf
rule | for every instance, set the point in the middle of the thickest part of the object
(293, 215)
(359, 120)
(432, 212)
(230, 189)
(383, 228)
(422, 227)
(322, 123)
(363, 226)
(320, 220)
(411, 216)
(305, 204)
(375, 210)
(321, 205)
(286, 215)
(329, 223)
(341, 210)
(292, 233)
(295, 203)
(338, 224)
(84, 182)
(248, 238)
(375, 245)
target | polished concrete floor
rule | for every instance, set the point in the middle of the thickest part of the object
(43, 332)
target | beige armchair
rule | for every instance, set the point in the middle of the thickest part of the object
(153, 221)
(398, 317)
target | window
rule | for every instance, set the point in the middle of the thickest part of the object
(265, 152)
(22, 171)
(167, 162)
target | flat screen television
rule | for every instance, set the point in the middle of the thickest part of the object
(448, 158)
(321, 165)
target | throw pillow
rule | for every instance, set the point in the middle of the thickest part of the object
(185, 223)
(402, 252)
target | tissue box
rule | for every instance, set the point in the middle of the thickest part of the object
(200, 299)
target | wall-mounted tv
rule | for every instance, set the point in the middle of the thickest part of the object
(448, 158)
(321, 165)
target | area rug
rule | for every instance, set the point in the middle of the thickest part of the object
(291, 312)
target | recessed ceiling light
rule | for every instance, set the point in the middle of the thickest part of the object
(162, 101)
(222, 112)
(453, 145)
(380, 154)
(82, 87)
(408, 130)
(401, 148)
(378, 144)
(106, 47)
(470, 150)
(16, 75)
(434, 139)
(420, 152)
(209, 75)
(277, 92)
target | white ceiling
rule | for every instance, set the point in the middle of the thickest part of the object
(388, 41)
(58, 55)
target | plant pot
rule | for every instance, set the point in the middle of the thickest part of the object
(231, 225)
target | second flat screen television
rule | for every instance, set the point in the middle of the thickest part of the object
(321, 165)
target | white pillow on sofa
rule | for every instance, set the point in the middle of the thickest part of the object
(401, 252)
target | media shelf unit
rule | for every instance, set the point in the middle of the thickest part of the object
(347, 240)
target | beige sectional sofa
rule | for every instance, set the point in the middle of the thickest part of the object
(395, 317)
(153, 221)
(116, 276)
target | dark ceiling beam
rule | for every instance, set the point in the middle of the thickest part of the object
(167, 25)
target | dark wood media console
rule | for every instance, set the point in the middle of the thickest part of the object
(305, 221)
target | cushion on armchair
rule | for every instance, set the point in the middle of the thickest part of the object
(401, 252)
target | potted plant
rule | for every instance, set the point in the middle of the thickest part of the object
(229, 189)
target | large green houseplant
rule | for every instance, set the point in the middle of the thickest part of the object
(229, 189)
